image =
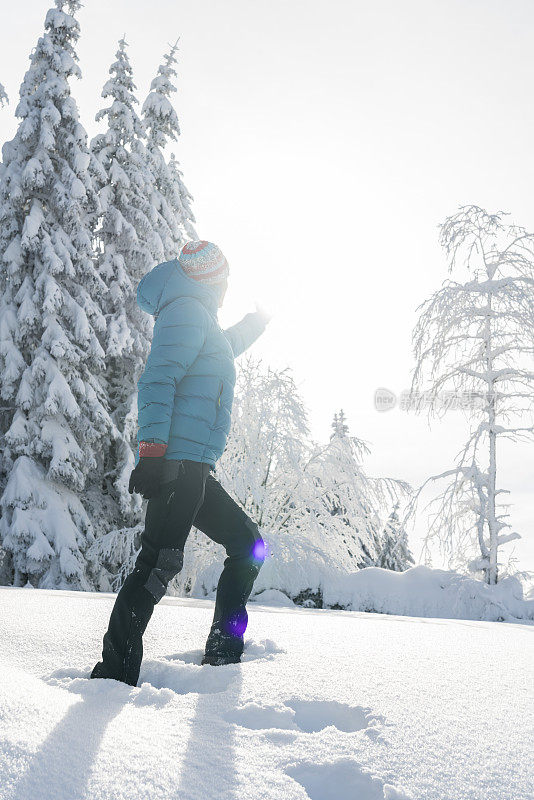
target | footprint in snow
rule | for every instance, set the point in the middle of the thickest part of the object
(343, 780)
(307, 716)
(316, 715)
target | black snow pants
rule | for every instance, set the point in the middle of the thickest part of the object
(196, 498)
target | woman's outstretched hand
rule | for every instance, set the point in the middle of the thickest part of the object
(265, 315)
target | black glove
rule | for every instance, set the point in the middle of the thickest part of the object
(146, 478)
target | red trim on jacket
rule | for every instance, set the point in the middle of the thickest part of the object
(151, 449)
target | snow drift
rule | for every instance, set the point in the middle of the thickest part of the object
(425, 592)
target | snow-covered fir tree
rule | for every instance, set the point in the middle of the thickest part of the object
(129, 244)
(54, 420)
(171, 198)
(4, 99)
(339, 425)
(474, 343)
(352, 497)
(349, 497)
(395, 553)
(180, 199)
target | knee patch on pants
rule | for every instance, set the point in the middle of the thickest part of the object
(170, 562)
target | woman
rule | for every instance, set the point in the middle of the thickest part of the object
(185, 399)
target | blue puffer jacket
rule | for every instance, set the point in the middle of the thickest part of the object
(186, 391)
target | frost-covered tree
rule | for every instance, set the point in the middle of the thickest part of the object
(474, 342)
(54, 419)
(171, 198)
(395, 552)
(4, 99)
(352, 497)
(129, 244)
(267, 447)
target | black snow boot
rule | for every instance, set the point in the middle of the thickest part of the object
(222, 648)
(219, 661)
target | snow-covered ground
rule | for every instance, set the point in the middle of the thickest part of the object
(326, 705)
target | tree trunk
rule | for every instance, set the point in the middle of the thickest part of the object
(491, 572)
(492, 520)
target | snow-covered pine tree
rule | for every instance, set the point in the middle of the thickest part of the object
(352, 497)
(171, 198)
(395, 553)
(55, 421)
(349, 496)
(129, 244)
(181, 199)
(339, 425)
(474, 341)
(4, 99)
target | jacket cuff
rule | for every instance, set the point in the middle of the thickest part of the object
(152, 449)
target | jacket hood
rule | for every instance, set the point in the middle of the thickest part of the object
(167, 282)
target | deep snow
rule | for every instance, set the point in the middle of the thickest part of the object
(326, 704)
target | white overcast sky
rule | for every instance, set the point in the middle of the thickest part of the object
(324, 141)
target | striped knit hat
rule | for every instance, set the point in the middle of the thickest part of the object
(204, 262)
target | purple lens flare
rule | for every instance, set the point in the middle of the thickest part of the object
(236, 625)
(259, 551)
